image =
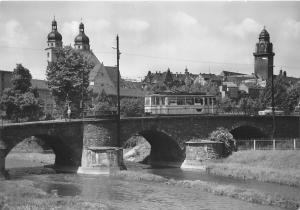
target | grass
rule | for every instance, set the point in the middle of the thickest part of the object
(281, 167)
(23, 195)
(248, 195)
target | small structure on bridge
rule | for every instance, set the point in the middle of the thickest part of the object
(197, 152)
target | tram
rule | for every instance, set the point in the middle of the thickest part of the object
(180, 104)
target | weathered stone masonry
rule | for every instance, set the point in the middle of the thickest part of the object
(166, 134)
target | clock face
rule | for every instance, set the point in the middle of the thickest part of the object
(262, 46)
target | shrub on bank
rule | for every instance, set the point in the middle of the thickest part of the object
(223, 135)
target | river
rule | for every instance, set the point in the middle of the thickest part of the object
(116, 193)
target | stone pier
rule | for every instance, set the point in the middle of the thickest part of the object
(198, 152)
(101, 160)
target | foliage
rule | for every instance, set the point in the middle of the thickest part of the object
(168, 79)
(280, 93)
(249, 105)
(21, 79)
(223, 135)
(227, 105)
(132, 106)
(293, 96)
(68, 79)
(21, 101)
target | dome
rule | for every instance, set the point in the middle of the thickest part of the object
(81, 38)
(264, 34)
(54, 35)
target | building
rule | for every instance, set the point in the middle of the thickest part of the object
(102, 79)
(53, 43)
(263, 56)
(5, 80)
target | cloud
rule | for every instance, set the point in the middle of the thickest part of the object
(291, 28)
(134, 24)
(13, 34)
(70, 30)
(242, 30)
(183, 19)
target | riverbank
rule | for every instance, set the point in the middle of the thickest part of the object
(249, 195)
(241, 193)
(278, 166)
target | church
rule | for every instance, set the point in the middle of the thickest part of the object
(102, 79)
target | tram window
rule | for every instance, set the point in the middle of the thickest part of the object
(205, 101)
(214, 101)
(199, 101)
(189, 101)
(181, 101)
(147, 101)
(162, 100)
(172, 101)
(152, 100)
(157, 100)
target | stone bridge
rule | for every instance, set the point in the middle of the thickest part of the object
(166, 134)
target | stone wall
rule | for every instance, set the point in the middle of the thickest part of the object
(197, 152)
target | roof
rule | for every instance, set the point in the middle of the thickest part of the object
(229, 73)
(112, 73)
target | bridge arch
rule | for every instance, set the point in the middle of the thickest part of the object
(165, 151)
(246, 131)
(64, 153)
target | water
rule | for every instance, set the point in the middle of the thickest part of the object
(178, 174)
(122, 194)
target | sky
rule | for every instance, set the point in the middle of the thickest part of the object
(204, 37)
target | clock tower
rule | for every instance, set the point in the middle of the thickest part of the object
(264, 56)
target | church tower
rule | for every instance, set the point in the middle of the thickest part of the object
(263, 56)
(82, 41)
(54, 42)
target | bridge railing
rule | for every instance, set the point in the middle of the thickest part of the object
(267, 144)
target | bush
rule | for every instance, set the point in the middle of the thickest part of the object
(223, 135)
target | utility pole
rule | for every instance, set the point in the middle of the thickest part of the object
(118, 95)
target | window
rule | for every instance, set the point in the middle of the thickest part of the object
(180, 101)
(147, 101)
(172, 101)
(189, 101)
(48, 54)
(157, 100)
(199, 100)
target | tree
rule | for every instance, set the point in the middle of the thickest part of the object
(21, 101)
(68, 79)
(286, 94)
(249, 105)
(293, 97)
(132, 106)
(168, 79)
